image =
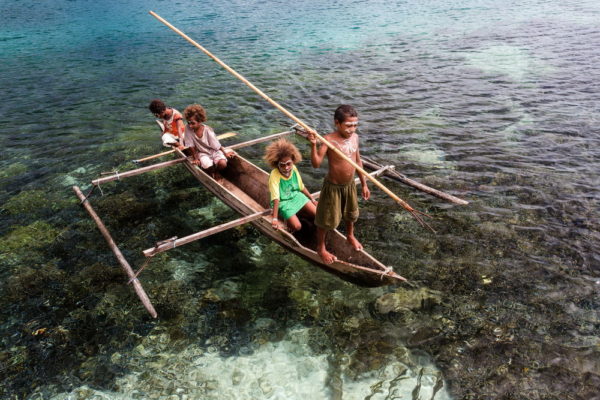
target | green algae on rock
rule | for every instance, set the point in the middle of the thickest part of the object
(35, 202)
(13, 170)
(31, 282)
(22, 242)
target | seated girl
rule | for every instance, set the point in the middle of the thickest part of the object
(206, 150)
(288, 194)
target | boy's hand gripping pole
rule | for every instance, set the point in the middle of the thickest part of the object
(415, 213)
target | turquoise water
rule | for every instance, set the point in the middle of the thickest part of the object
(495, 102)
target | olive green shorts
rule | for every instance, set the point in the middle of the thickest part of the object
(336, 202)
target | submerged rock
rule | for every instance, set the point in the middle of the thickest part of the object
(226, 290)
(404, 300)
(306, 301)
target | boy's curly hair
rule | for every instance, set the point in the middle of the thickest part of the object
(280, 149)
(157, 106)
(195, 111)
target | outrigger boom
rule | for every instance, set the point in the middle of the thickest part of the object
(176, 242)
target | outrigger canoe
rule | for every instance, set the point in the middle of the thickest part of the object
(244, 188)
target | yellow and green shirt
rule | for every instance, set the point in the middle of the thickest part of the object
(288, 192)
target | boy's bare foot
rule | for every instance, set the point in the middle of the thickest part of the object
(354, 243)
(326, 256)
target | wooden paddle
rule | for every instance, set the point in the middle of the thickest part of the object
(164, 153)
(405, 205)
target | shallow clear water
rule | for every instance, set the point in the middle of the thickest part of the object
(495, 102)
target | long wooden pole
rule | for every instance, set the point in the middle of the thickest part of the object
(152, 157)
(111, 243)
(378, 172)
(168, 245)
(164, 153)
(259, 140)
(403, 203)
(395, 175)
(138, 171)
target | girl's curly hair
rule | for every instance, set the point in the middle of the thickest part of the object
(195, 111)
(280, 149)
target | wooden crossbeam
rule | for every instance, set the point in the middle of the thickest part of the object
(171, 244)
(133, 172)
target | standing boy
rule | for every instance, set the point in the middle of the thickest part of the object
(338, 196)
(170, 122)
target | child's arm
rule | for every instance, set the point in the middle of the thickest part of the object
(180, 127)
(195, 159)
(275, 221)
(316, 155)
(274, 194)
(228, 153)
(215, 144)
(307, 194)
(161, 125)
(181, 130)
(366, 193)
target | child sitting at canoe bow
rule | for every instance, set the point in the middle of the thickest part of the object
(206, 149)
(288, 193)
(170, 121)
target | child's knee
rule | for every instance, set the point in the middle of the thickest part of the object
(205, 162)
(221, 164)
(294, 224)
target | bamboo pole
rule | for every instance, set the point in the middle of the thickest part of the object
(226, 135)
(397, 176)
(171, 244)
(232, 147)
(164, 153)
(379, 172)
(120, 258)
(152, 157)
(415, 213)
(138, 171)
(259, 140)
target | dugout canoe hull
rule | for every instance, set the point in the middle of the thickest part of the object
(244, 188)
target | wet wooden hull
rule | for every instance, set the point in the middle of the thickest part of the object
(245, 189)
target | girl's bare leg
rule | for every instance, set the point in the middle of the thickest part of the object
(309, 210)
(293, 223)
